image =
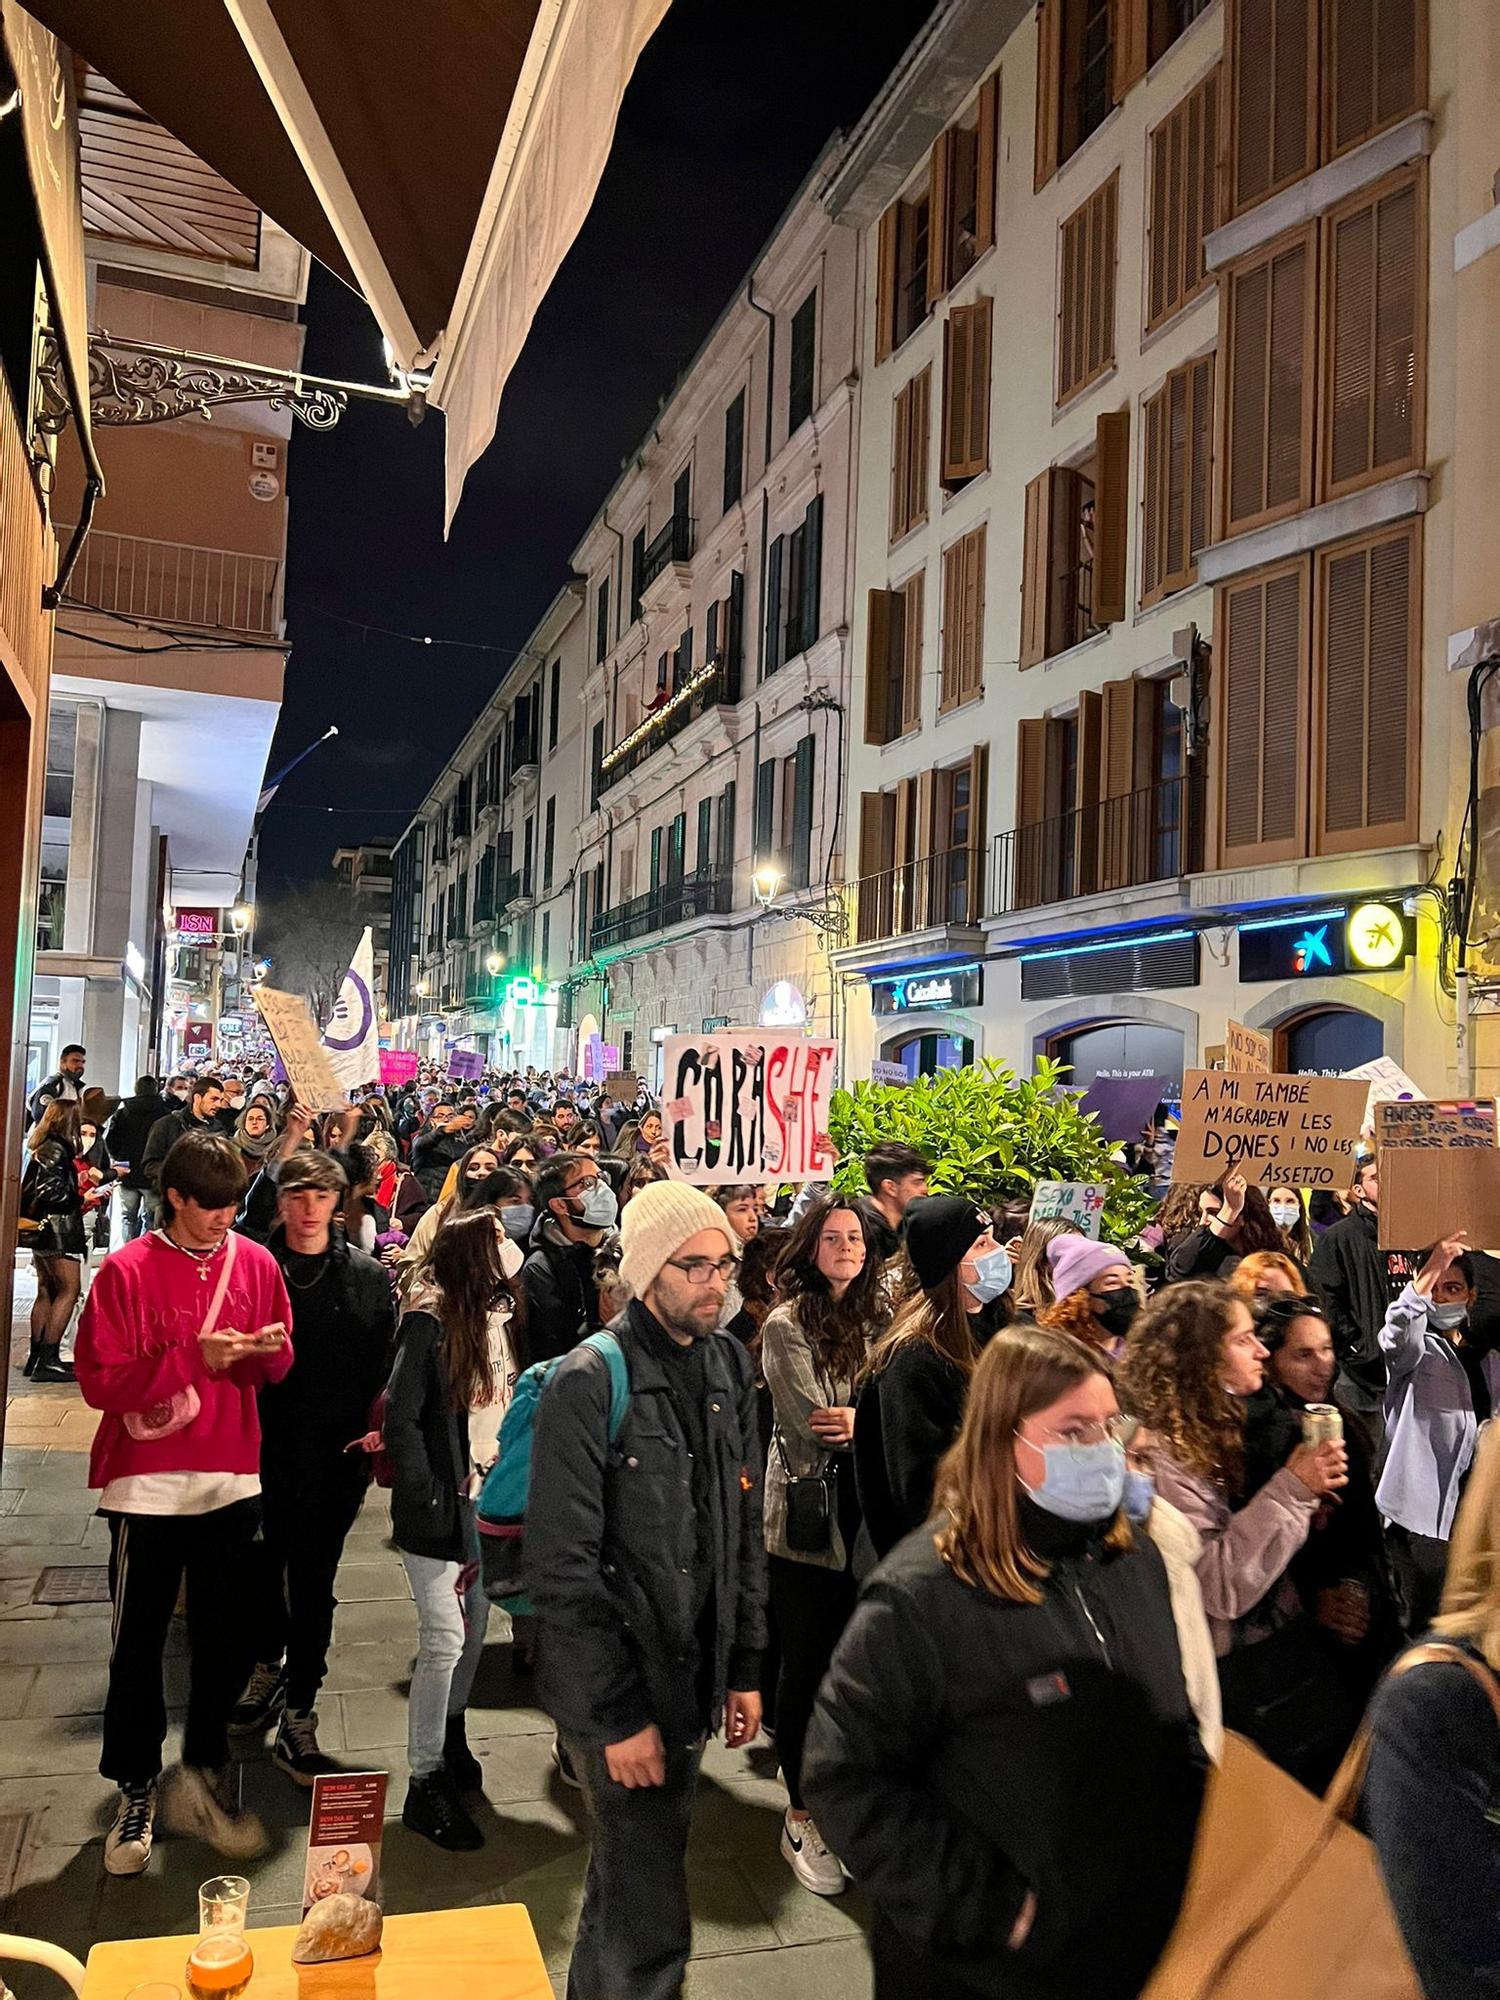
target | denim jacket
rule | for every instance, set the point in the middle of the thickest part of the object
(1430, 1426)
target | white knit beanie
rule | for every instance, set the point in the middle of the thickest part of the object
(657, 1222)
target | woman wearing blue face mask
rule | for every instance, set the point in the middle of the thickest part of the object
(1443, 1386)
(1003, 1751)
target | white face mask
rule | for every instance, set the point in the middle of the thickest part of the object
(1285, 1213)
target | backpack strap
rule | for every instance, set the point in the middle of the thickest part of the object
(609, 1348)
(1439, 1652)
(1343, 1794)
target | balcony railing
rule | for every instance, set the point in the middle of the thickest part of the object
(938, 891)
(1152, 835)
(708, 893)
(178, 583)
(673, 544)
(523, 754)
(715, 682)
(514, 888)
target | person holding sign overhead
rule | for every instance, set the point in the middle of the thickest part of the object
(1236, 1221)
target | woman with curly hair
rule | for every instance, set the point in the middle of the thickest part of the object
(1267, 1274)
(830, 1305)
(1236, 1220)
(1192, 1362)
(1187, 1204)
(1095, 1296)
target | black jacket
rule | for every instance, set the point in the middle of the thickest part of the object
(426, 1441)
(612, 1546)
(433, 1152)
(884, 1240)
(343, 1330)
(964, 1750)
(1349, 1271)
(129, 1128)
(562, 1300)
(164, 1135)
(905, 1419)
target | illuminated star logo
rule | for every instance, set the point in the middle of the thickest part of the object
(1311, 949)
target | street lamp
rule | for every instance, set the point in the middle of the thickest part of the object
(766, 882)
(494, 962)
(424, 987)
(241, 917)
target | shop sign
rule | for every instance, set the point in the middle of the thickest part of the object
(197, 926)
(1372, 937)
(782, 1007)
(936, 988)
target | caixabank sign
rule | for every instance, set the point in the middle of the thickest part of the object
(1357, 937)
(928, 989)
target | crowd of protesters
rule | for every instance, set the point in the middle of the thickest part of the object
(989, 1529)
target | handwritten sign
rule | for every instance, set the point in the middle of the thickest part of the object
(1387, 1080)
(303, 1057)
(397, 1066)
(1078, 1202)
(621, 1086)
(1436, 1126)
(1299, 1131)
(748, 1106)
(465, 1065)
(889, 1072)
(1246, 1053)
(1427, 1193)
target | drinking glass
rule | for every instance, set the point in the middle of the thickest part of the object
(221, 1961)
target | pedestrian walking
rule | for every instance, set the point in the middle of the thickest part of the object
(200, 1115)
(130, 1126)
(646, 1566)
(64, 1086)
(181, 1330)
(52, 1202)
(896, 1176)
(575, 1212)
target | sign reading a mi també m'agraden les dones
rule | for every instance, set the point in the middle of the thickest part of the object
(748, 1106)
(1295, 1131)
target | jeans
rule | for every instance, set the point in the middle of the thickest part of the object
(131, 1213)
(635, 1928)
(303, 1533)
(452, 1613)
(1419, 1565)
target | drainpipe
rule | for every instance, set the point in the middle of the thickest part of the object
(765, 498)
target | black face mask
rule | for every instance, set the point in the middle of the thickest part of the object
(1116, 1312)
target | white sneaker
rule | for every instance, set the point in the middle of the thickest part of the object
(811, 1862)
(127, 1845)
(194, 1802)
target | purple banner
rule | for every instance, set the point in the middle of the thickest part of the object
(1124, 1105)
(465, 1065)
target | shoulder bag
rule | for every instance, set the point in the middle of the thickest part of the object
(1285, 1894)
(177, 1411)
(810, 1505)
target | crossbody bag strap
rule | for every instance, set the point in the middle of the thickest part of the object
(1439, 1652)
(231, 1248)
(1342, 1796)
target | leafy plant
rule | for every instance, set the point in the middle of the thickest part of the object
(991, 1135)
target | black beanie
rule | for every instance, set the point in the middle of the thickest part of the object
(940, 1230)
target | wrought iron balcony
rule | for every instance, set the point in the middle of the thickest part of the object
(939, 891)
(673, 544)
(514, 888)
(178, 582)
(1152, 835)
(715, 682)
(708, 893)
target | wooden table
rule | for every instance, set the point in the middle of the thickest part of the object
(491, 1951)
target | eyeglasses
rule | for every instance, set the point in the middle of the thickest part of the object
(698, 1270)
(1114, 1430)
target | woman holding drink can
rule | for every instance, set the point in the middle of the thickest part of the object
(1443, 1386)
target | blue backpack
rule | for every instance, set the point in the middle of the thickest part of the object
(501, 1513)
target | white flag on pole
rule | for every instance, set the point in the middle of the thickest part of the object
(351, 1037)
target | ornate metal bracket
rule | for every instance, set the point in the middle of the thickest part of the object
(831, 917)
(135, 382)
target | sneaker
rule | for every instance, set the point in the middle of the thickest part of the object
(296, 1748)
(127, 1845)
(564, 1765)
(196, 1802)
(811, 1862)
(434, 1810)
(459, 1761)
(261, 1703)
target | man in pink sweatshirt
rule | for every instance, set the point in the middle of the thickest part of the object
(181, 1328)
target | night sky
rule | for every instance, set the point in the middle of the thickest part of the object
(727, 111)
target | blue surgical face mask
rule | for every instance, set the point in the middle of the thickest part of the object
(600, 1209)
(1446, 1318)
(992, 1276)
(517, 1218)
(1139, 1495)
(1081, 1482)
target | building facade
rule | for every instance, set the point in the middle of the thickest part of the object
(718, 578)
(1161, 561)
(365, 871)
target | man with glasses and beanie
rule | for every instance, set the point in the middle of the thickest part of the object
(646, 1564)
(575, 1212)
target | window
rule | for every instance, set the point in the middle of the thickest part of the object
(921, 851)
(528, 841)
(601, 620)
(546, 943)
(1166, 20)
(802, 371)
(901, 281)
(637, 572)
(554, 704)
(705, 854)
(794, 567)
(1076, 80)
(682, 662)
(911, 444)
(1375, 59)
(656, 877)
(1086, 296)
(1262, 642)
(1374, 371)
(1177, 478)
(1073, 562)
(1269, 384)
(1184, 201)
(734, 451)
(1273, 66)
(549, 842)
(966, 392)
(962, 182)
(798, 851)
(724, 831)
(596, 763)
(765, 810)
(677, 847)
(682, 494)
(893, 661)
(1365, 693)
(963, 621)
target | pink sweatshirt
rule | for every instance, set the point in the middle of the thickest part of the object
(138, 1344)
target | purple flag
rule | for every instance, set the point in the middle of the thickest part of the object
(1123, 1104)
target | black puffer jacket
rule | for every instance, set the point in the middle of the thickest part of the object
(612, 1545)
(562, 1300)
(965, 1750)
(904, 1421)
(129, 1128)
(164, 1135)
(343, 1329)
(426, 1445)
(1349, 1270)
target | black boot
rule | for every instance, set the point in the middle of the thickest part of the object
(48, 1368)
(29, 1367)
(432, 1809)
(459, 1761)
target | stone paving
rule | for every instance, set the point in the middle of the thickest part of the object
(757, 1934)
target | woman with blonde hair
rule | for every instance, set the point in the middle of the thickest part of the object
(1435, 1765)
(1032, 1288)
(1267, 1274)
(955, 1759)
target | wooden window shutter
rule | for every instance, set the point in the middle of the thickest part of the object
(877, 665)
(953, 628)
(885, 281)
(1200, 460)
(1153, 496)
(1268, 394)
(1111, 514)
(1048, 88)
(1036, 569)
(900, 464)
(1129, 34)
(913, 595)
(1029, 844)
(1375, 67)
(772, 609)
(971, 664)
(919, 438)
(1373, 394)
(1366, 715)
(966, 391)
(1273, 72)
(1086, 793)
(1184, 201)
(939, 216)
(1117, 783)
(1086, 293)
(987, 164)
(981, 344)
(1261, 628)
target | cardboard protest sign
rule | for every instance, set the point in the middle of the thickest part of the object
(1452, 1125)
(1429, 1193)
(745, 1105)
(889, 1072)
(1078, 1202)
(305, 1060)
(465, 1065)
(621, 1086)
(1387, 1081)
(1298, 1131)
(1246, 1052)
(397, 1066)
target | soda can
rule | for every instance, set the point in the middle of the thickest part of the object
(1322, 1423)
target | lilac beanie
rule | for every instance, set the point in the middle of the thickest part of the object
(1077, 1260)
